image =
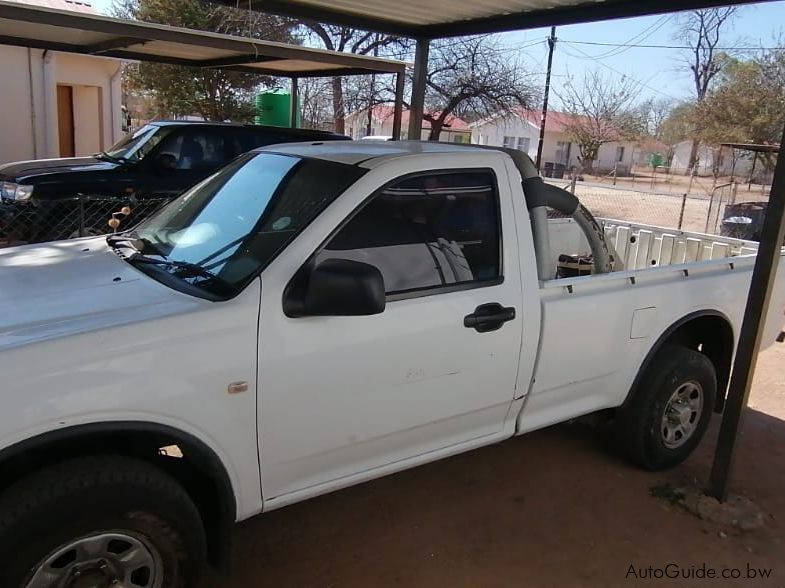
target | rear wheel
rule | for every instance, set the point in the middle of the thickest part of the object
(100, 522)
(670, 410)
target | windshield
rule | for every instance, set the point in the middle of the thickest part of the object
(231, 225)
(134, 146)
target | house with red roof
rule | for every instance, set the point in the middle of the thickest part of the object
(58, 104)
(520, 129)
(455, 130)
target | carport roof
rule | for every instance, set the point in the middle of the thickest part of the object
(60, 30)
(431, 19)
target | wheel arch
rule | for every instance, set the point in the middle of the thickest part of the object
(708, 331)
(198, 469)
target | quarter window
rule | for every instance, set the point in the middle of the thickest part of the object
(424, 232)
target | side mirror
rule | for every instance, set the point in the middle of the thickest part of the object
(340, 287)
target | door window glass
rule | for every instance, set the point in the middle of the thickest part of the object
(197, 149)
(426, 232)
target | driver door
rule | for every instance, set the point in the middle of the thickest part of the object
(345, 398)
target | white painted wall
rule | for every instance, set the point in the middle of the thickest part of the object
(494, 132)
(29, 102)
(88, 120)
(356, 125)
(681, 160)
(20, 138)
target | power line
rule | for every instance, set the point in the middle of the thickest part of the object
(639, 46)
(639, 38)
(614, 70)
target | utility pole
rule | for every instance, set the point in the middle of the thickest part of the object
(551, 45)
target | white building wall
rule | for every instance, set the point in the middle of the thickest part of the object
(29, 102)
(101, 77)
(494, 133)
(22, 101)
(556, 147)
(356, 125)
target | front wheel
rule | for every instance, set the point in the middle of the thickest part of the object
(100, 522)
(669, 412)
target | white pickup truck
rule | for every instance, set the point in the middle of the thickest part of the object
(316, 315)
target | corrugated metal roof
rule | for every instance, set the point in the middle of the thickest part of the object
(432, 19)
(73, 31)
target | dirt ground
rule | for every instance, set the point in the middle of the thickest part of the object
(556, 508)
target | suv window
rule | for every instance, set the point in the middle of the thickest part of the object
(428, 231)
(197, 148)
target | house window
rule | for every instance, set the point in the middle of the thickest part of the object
(620, 153)
(509, 142)
(562, 152)
(524, 143)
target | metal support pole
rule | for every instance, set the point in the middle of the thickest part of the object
(751, 332)
(551, 45)
(418, 88)
(294, 104)
(683, 205)
(400, 79)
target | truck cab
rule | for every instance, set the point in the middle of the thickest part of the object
(316, 315)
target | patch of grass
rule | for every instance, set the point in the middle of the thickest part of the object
(667, 492)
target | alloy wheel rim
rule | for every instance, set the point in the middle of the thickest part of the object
(110, 559)
(682, 414)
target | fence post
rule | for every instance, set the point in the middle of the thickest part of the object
(81, 214)
(683, 205)
(708, 213)
(572, 184)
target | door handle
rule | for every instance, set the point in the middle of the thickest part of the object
(489, 317)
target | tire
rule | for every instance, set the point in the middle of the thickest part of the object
(83, 516)
(677, 380)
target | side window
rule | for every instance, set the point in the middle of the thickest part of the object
(196, 148)
(426, 232)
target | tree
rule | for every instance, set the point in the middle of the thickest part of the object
(658, 111)
(602, 111)
(315, 103)
(340, 38)
(473, 77)
(702, 30)
(677, 126)
(748, 103)
(213, 93)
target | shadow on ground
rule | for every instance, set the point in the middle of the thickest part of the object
(553, 508)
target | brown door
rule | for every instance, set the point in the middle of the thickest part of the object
(65, 120)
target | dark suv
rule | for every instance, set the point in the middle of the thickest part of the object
(52, 199)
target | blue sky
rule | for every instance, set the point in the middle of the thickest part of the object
(659, 71)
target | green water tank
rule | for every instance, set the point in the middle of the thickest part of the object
(274, 108)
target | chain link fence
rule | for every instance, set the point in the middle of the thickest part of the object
(724, 209)
(28, 222)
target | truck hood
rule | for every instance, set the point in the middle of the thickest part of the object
(68, 287)
(22, 171)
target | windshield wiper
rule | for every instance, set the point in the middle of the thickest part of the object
(111, 158)
(189, 268)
